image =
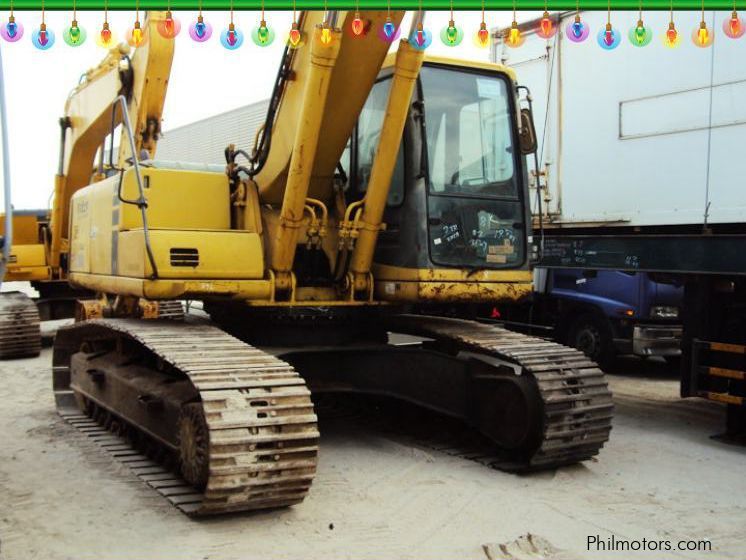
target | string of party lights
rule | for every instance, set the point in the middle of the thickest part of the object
(608, 37)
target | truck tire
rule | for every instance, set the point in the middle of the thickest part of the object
(592, 335)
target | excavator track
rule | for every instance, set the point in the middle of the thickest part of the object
(20, 334)
(576, 404)
(250, 432)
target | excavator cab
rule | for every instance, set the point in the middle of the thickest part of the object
(457, 200)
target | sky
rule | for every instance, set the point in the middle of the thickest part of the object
(206, 79)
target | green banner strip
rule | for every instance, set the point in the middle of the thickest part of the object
(459, 5)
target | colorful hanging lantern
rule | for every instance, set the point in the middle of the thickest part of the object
(326, 34)
(733, 26)
(421, 38)
(702, 36)
(169, 27)
(388, 28)
(326, 30)
(482, 36)
(135, 35)
(577, 30)
(294, 37)
(609, 37)
(513, 36)
(74, 35)
(200, 31)
(389, 32)
(43, 38)
(106, 37)
(11, 31)
(547, 29)
(451, 35)
(263, 35)
(671, 37)
(231, 37)
(357, 25)
(639, 35)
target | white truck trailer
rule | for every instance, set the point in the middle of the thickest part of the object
(642, 169)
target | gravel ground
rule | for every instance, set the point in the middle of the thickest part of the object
(660, 477)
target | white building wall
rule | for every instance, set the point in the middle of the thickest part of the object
(205, 141)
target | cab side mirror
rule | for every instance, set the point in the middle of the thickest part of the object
(527, 137)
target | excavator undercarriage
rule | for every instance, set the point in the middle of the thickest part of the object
(228, 426)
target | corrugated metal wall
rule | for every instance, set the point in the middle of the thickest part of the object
(205, 141)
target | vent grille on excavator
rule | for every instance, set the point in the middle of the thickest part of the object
(184, 257)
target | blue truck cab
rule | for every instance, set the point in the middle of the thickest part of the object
(610, 312)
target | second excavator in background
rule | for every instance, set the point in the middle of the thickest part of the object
(383, 191)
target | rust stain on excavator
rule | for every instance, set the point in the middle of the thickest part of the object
(473, 291)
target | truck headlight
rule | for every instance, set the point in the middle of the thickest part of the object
(664, 312)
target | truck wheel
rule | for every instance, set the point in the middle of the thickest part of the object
(592, 335)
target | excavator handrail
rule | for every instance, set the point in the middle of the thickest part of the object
(141, 202)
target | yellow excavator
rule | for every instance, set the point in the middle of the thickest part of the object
(383, 192)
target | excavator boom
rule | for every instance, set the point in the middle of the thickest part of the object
(350, 80)
(91, 113)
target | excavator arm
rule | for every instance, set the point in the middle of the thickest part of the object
(91, 114)
(313, 113)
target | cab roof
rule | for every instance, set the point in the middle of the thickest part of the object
(457, 63)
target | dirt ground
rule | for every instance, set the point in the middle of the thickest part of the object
(660, 477)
